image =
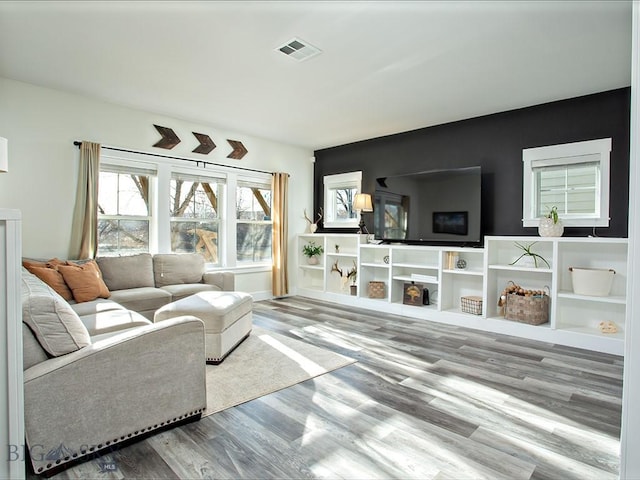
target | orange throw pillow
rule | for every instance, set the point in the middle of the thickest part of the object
(53, 278)
(49, 274)
(84, 280)
(53, 263)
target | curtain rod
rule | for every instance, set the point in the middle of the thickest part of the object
(197, 162)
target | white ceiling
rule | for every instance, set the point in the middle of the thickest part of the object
(386, 67)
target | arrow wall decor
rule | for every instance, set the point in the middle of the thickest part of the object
(169, 138)
(239, 150)
(206, 144)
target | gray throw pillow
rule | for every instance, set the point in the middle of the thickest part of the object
(130, 271)
(177, 268)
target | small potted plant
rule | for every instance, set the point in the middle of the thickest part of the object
(530, 258)
(312, 252)
(550, 225)
(353, 276)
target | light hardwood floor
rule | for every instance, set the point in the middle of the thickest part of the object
(424, 400)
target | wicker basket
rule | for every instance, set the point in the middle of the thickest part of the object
(376, 290)
(533, 309)
(471, 304)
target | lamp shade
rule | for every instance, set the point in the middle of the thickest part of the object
(362, 202)
(4, 155)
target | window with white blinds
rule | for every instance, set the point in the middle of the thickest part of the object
(573, 177)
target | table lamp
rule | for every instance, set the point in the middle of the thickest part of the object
(363, 203)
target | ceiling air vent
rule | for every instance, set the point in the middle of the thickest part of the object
(299, 49)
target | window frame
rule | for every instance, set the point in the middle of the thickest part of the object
(159, 201)
(201, 177)
(565, 155)
(334, 182)
(114, 164)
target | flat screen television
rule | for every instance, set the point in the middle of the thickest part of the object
(436, 206)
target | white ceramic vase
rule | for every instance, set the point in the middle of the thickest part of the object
(546, 227)
(313, 260)
(526, 261)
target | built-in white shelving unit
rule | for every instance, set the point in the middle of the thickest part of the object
(573, 319)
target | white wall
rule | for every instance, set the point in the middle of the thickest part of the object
(41, 125)
(630, 437)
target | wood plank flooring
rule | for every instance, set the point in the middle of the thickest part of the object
(424, 401)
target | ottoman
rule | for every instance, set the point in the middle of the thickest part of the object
(227, 318)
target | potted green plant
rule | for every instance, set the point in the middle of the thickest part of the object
(312, 252)
(531, 258)
(550, 224)
(353, 276)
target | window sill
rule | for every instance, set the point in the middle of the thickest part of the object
(572, 222)
(242, 269)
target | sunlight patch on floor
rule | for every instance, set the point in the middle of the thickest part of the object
(465, 387)
(598, 441)
(329, 338)
(354, 340)
(303, 362)
(562, 466)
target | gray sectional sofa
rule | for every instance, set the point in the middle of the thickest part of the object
(100, 373)
(145, 282)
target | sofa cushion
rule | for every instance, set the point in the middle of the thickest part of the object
(131, 271)
(49, 274)
(84, 280)
(112, 321)
(54, 323)
(95, 306)
(177, 268)
(185, 289)
(141, 299)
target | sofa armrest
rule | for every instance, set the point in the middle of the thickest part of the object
(113, 390)
(224, 280)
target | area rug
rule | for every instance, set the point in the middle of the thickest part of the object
(265, 363)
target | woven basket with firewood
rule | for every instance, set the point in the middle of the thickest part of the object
(525, 305)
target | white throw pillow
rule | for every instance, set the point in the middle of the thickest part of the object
(56, 326)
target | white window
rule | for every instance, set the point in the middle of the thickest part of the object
(573, 177)
(157, 204)
(124, 209)
(253, 223)
(195, 217)
(339, 192)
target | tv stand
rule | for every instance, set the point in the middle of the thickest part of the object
(573, 320)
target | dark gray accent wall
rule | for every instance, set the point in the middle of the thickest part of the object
(495, 142)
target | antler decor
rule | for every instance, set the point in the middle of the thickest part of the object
(351, 273)
(311, 222)
(313, 226)
(334, 268)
